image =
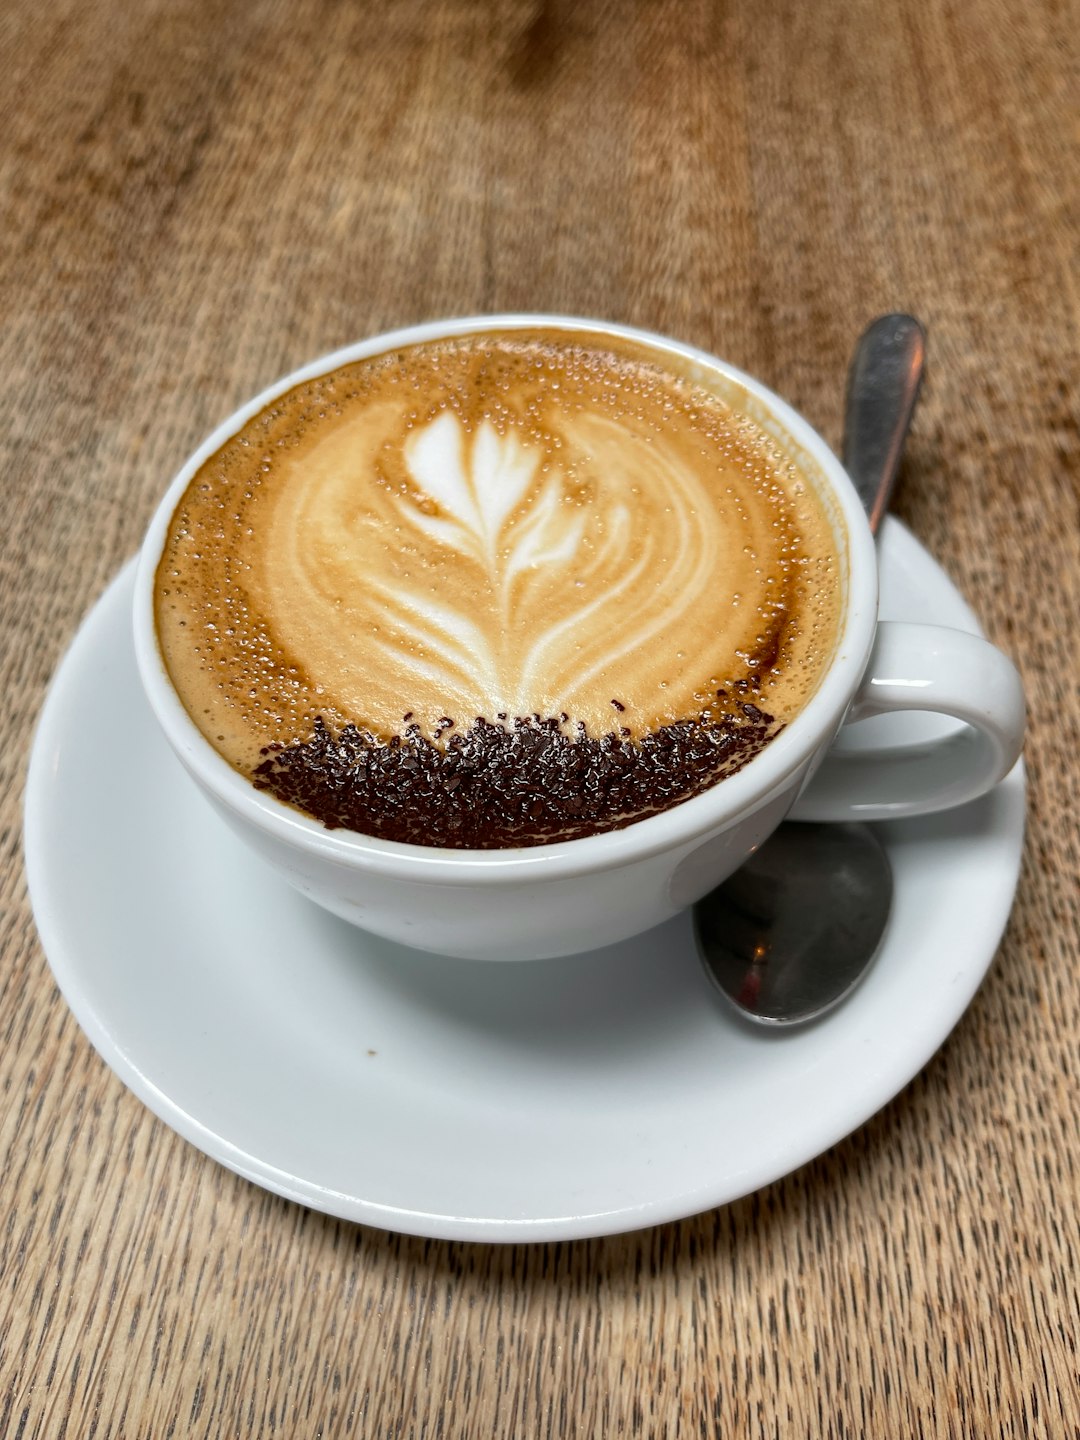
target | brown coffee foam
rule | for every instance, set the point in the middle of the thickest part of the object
(638, 542)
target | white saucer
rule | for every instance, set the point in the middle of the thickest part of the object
(458, 1099)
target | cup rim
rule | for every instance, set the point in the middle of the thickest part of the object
(687, 822)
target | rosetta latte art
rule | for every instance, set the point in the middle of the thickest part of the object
(519, 528)
(511, 589)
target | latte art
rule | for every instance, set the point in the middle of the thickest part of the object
(519, 586)
(542, 532)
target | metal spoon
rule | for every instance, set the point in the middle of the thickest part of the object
(791, 933)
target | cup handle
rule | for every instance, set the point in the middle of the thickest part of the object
(924, 667)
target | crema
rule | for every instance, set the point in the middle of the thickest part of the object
(499, 589)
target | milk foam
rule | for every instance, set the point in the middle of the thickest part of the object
(512, 525)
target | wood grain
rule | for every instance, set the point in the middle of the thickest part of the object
(199, 196)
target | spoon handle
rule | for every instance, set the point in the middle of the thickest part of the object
(883, 385)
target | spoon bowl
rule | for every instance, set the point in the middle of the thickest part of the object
(791, 933)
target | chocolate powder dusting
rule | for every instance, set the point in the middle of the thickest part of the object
(495, 785)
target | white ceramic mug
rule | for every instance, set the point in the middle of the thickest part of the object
(556, 899)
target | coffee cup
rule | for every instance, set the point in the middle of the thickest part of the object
(509, 637)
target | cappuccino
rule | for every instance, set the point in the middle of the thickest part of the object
(497, 590)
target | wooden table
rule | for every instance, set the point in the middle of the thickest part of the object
(200, 195)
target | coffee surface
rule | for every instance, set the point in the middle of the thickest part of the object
(496, 590)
